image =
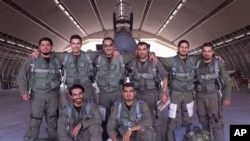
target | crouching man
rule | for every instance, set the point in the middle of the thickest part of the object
(130, 119)
(80, 122)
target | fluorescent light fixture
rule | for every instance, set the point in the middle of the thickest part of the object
(229, 40)
(28, 48)
(184, 1)
(171, 17)
(175, 11)
(75, 23)
(2, 40)
(220, 43)
(179, 6)
(13, 43)
(57, 1)
(71, 18)
(78, 26)
(20, 45)
(66, 13)
(240, 36)
(61, 7)
(248, 33)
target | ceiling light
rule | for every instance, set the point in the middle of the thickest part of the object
(220, 43)
(229, 40)
(175, 11)
(248, 33)
(28, 48)
(57, 1)
(66, 13)
(2, 40)
(171, 17)
(61, 7)
(71, 18)
(179, 6)
(240, 36)
(20, 45)
(13, 43)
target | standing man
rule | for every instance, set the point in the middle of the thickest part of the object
(39, 83)
(130, 119)
(147, 78)
(182, 80)
(77, 67)
(212, 79)
(109, 77)
(80, 122)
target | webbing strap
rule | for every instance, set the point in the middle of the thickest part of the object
(69, 111)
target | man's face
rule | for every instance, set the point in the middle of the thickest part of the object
(129, 93)
(45, 47)
(108, 47)
(142, 51)
(75, 45)
(207, 52)
(77, 96)
(183, 49)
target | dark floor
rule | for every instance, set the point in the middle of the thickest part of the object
(15, 114)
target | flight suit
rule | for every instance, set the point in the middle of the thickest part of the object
(77, 70)
(147, 81)
(120, 120)
(45, 82)
(88, 116)
(108, 78)
(209, 99)
(182, 85)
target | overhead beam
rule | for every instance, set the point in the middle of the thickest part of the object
(34, 19)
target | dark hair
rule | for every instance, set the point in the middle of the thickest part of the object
(183, 41)
(76, 86)
(46, 39)
(76, 37)
(129, 84)
(207, 44)
(143, 43)
(107, 38)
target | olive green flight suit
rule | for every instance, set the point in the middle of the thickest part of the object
(90, 119)
(78, 69)
(182, 85)
(119, 122)
(208, 98)
(147, 81)
(45, 84)
(108, 77)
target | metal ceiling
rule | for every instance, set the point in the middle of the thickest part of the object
(222, 22)
(198, 21)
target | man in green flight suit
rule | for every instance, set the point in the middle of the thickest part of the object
(182, 80)
(147, 78)
(130, 119)
(39, 83)
(80, 122)
(212, 79)
(77, 69)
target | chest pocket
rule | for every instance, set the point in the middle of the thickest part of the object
(82, 65)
